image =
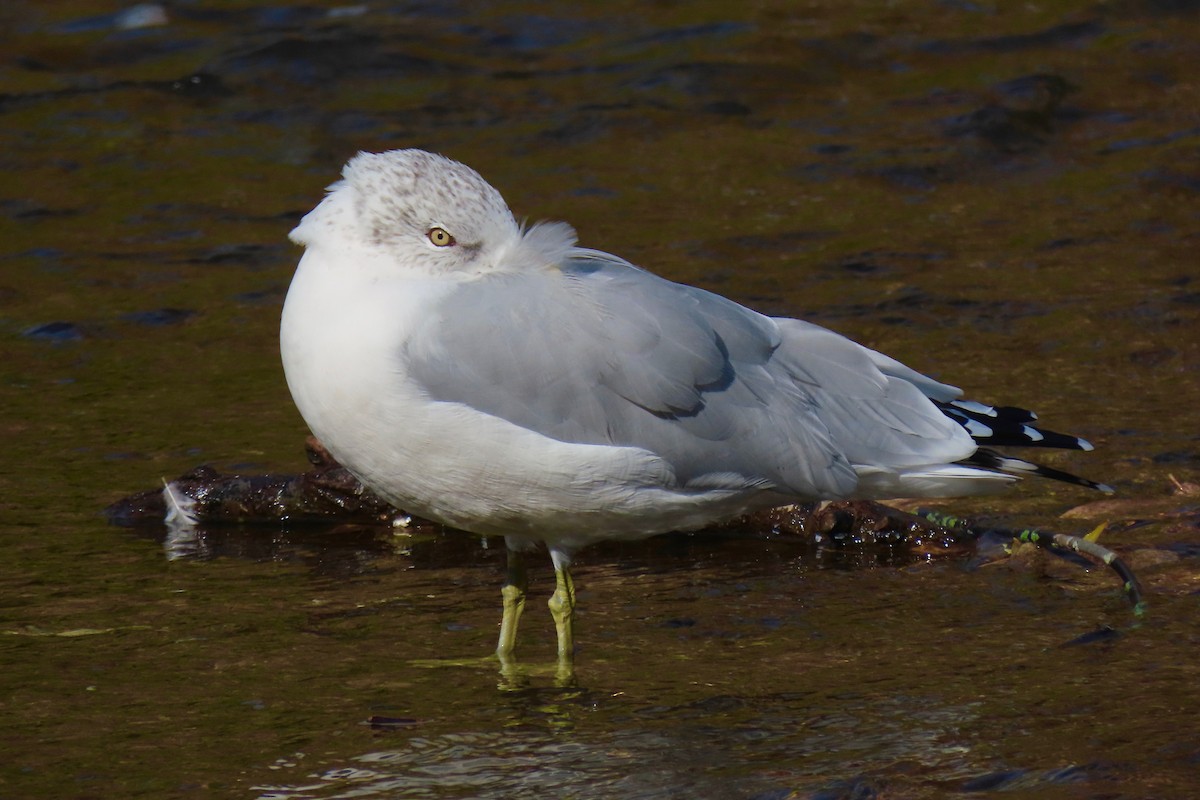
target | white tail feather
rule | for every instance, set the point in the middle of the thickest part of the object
(948, 480)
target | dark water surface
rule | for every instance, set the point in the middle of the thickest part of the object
(1003, 195)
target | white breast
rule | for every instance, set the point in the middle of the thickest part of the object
(342, 337)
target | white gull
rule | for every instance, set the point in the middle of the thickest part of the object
(501, 380)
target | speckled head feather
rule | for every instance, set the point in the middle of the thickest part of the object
(402, 191)
(391, 201)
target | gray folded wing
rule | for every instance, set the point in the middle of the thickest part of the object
(601, 352)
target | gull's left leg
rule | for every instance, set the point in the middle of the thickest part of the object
(562, 605)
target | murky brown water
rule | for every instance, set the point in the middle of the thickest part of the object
(1005, 197)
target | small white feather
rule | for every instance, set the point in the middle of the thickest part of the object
(181, 509)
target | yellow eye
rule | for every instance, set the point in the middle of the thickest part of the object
(440, 237)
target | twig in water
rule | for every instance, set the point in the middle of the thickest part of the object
(1062, 541)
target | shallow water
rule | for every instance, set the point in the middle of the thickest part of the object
(1003, 197)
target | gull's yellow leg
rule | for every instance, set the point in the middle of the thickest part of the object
(513, 592)
(562, 608)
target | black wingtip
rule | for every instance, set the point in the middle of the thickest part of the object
(1007, 426)
(990, 459)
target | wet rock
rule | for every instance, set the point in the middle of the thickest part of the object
(1102, 635)
(729, 108)
(56, 332)
(233, 254)
(326, 493)
(1068, 34)
(327, 57)
(1020, 116)
(143, 15)
(160, 317)
(199, 85)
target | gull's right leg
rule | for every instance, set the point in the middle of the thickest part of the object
(513, 592)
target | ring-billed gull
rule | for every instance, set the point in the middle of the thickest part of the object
(499, 379)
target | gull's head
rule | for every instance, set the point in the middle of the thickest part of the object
(429, 214)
